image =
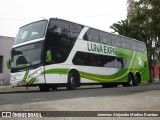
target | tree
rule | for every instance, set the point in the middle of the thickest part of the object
(122, 27)
(142, 23)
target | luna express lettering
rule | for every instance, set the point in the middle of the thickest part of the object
(103, 49)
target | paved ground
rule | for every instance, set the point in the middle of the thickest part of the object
(9, 89)
(95, 98)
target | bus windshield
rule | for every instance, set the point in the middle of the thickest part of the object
(26, 57)
(31, 31)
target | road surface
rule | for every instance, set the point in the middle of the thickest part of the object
(95, 98)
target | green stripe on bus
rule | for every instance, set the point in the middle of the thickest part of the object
(32, 81)
(120, 76)
(26, 75)
(56, 71)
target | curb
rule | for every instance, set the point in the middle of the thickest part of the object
(9, 89)
(151, 83)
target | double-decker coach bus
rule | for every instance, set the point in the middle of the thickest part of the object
(55, 52)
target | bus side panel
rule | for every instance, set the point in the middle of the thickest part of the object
(28, 78)
(145, 73)
(140, 65)
(101, 74)
(55, 74)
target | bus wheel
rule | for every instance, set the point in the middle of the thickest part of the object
(54, 88)
(71, 85)
(136, 80)
(130, 81)
(43, 88)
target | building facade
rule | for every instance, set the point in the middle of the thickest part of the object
(6, 44)
(156, 70)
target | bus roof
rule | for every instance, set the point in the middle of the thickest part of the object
(85, 26)
(102, 30)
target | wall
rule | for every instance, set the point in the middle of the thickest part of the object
(5, 51)
(156, 71)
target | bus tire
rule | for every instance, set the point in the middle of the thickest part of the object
(43, 88)
(130, 81)
(54, 88)
(136, 80)
(71, 84)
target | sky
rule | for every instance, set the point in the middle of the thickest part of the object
(100, 14)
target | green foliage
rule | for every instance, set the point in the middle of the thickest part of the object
(142, 23)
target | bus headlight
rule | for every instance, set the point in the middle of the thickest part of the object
(12, 77)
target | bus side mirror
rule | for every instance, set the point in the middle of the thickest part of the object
(8, 63)
(48, 56)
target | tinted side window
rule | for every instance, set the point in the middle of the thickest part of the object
(141, 47)
(60, 27)
(98, 60)
(92, 35)
(90, 59)
(75, 30)
(108, 61)
(59, 40)
(125, 43)
(82, 58)
(136, 46)
(116, 40)
(105, 38)
(118, 63)
(125, 60)
(133, 45)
